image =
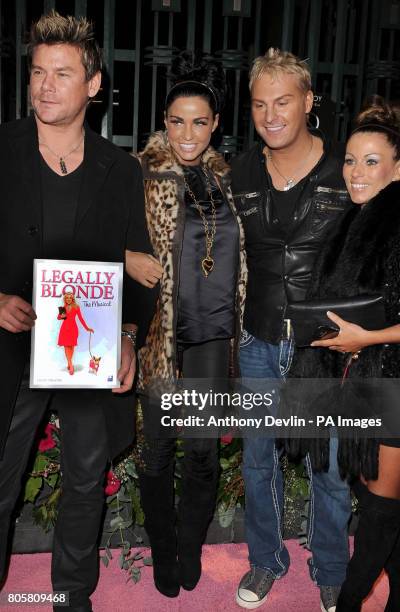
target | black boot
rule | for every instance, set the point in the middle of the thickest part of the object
(157, 496)
(195, 511)
(392, 568)
(376, 535)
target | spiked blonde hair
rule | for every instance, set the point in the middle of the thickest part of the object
(275, 62)
(54, 29)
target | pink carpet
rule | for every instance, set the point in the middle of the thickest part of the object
(223, 566)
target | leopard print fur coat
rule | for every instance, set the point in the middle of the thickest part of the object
(165, 213)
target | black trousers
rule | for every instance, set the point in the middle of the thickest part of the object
(84, 457)
(208, 361)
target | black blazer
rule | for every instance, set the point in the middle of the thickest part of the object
(110, 215)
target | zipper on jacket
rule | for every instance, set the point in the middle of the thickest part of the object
(246, 194)
(246, 213)
(323, 206)
(250, 211)
(321, 189)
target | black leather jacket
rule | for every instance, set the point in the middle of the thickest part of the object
(280, 264)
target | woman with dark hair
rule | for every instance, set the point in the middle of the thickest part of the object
(198, 242)
(363, 257)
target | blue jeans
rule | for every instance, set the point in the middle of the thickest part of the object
(330, 502)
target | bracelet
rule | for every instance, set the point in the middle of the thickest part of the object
(131, 334)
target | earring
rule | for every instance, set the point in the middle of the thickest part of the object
(314, 125)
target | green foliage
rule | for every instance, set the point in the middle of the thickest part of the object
(53, 479)
(125, 511)
(33, 485)
(122, 509)
(45, 513)
(41, 462)
(296, 479)
(231, 486)
(136, 507)
(45, 471)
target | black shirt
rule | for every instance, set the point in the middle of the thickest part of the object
(284, 204)
(206, 305)
(60, 202)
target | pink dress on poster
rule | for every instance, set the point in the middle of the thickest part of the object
(68, 335)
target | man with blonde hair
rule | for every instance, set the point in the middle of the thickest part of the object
(67, 193)
(288, 191)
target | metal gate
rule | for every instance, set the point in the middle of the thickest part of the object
(352, 47)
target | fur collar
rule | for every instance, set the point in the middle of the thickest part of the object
(356, 255)
(363, 256)
(157, 157)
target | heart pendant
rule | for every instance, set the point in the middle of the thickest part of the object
(207, 264)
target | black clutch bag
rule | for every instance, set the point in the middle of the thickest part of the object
(61, 310)
(309, 320)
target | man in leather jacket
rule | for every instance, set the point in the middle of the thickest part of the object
(288, 190)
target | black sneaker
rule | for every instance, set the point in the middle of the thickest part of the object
(254, 587)
(329, 597)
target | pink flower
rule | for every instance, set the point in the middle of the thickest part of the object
(48, 442)
(49, 429)
(227, 438)
(113, 484)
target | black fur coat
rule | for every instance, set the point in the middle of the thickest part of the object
(361, 257)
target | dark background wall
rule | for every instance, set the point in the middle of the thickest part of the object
(352, 46)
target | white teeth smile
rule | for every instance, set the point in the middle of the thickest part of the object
(359, 185)
(188, 147)
(276, 128)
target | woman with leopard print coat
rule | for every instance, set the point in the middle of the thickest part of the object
(199, 244)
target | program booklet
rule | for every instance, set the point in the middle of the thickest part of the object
(76, 339)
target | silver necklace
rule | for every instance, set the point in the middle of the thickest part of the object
(290, 181)
(62, 158)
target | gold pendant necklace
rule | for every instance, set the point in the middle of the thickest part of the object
(207, 263)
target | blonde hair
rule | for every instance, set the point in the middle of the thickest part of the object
(74, 304)
(54, 29)
(275, 62)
